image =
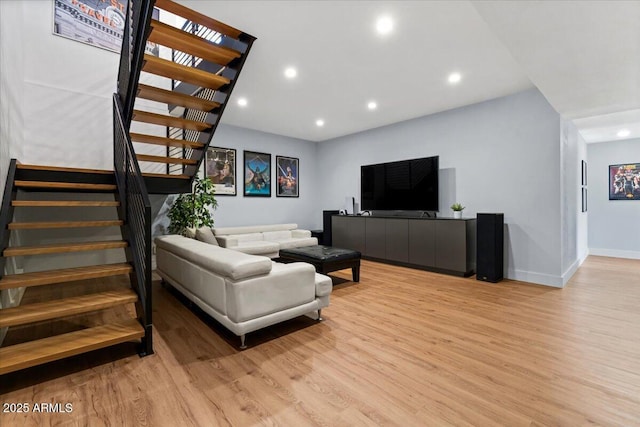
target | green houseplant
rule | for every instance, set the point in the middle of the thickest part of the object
(457, 210)
(193, 210)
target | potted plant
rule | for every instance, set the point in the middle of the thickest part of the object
(193, 210)
(457, 210)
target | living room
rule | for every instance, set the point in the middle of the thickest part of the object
(509, 151)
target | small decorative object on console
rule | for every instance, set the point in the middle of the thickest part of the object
(457, 210)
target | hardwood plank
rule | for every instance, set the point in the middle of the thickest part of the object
(38, 312)
(175, 98)
(171, 70)
(64, 169)
(192, 15)
(177, 39)
(402, 347)
(63, 248)
(63, 275)
(162, 159)
(164, 120)
(33, 353)
(65, 185)
(63, 203)
(168, 142)
(63, 224)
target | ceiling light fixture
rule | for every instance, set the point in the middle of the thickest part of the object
(623, 133)
(320, 123)
(290, 72)
(372, 105)
(242, 102)
(384, 25)
(455, 78)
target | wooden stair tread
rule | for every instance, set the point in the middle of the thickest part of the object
(168, 142)
(63, 248)
(161, 159)
(175, 98)
(164, 175)
(164, 120)
(64, 169)
(62, 203)
(25, 355)
(177, 39)
(162, 67)
(63, 275)
(63, 224)
(65, 185)
(198, 18)
(54, 309)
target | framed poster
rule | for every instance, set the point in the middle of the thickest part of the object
(99, 23)
(584, 173)
(257, 174)
(287, 171)
(220, 167)
(624, 181)
(584, 199)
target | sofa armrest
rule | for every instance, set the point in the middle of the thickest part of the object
(226, 241)
(300, 233)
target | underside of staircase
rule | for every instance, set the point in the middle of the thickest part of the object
(75, 244)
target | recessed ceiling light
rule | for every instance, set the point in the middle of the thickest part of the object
(455, 78)
(319, 122)
(622, 133)
(242, 102)
(290, 72)
(372, 105)
(384, 25)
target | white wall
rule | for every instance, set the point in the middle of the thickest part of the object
(574, 221)
(614, 225)
(501, 155)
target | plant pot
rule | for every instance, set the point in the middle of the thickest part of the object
(457, 214)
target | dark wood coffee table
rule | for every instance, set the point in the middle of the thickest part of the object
(325, 258)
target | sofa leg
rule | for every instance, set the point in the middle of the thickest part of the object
(242, 344)
(320, 319)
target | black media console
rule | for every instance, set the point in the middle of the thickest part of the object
(443, 245)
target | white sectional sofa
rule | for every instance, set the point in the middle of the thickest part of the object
(264, 240)
(241, 291)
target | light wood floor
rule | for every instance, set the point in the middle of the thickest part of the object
(403, 347)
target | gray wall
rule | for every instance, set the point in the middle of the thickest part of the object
(240, 210)
(614, 225)
(501, 155)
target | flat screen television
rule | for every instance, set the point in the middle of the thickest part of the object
(404, 185)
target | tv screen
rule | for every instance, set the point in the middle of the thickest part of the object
(404, 185)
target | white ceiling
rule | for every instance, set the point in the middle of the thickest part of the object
(584, 56)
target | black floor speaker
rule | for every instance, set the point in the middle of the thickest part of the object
(490, 247)
(326, 227)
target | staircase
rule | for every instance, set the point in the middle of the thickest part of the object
(176, 110)
(189, 93)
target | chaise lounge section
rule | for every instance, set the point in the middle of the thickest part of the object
(241, 291)
(266, 240)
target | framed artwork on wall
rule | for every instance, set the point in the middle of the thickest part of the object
(257, 174)
(584, 199)
(584, 173)
(288, 173)
(220, 167)
(624, 181)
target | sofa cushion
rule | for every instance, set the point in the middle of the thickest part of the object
(257, 248)
(249, 237)
(298, 243)
(204, 234)
(225, 262)
(253, 229)
(190, 232)
(276, 236)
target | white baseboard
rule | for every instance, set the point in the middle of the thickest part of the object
(614, 253)
(573, 268)
(537, 278)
